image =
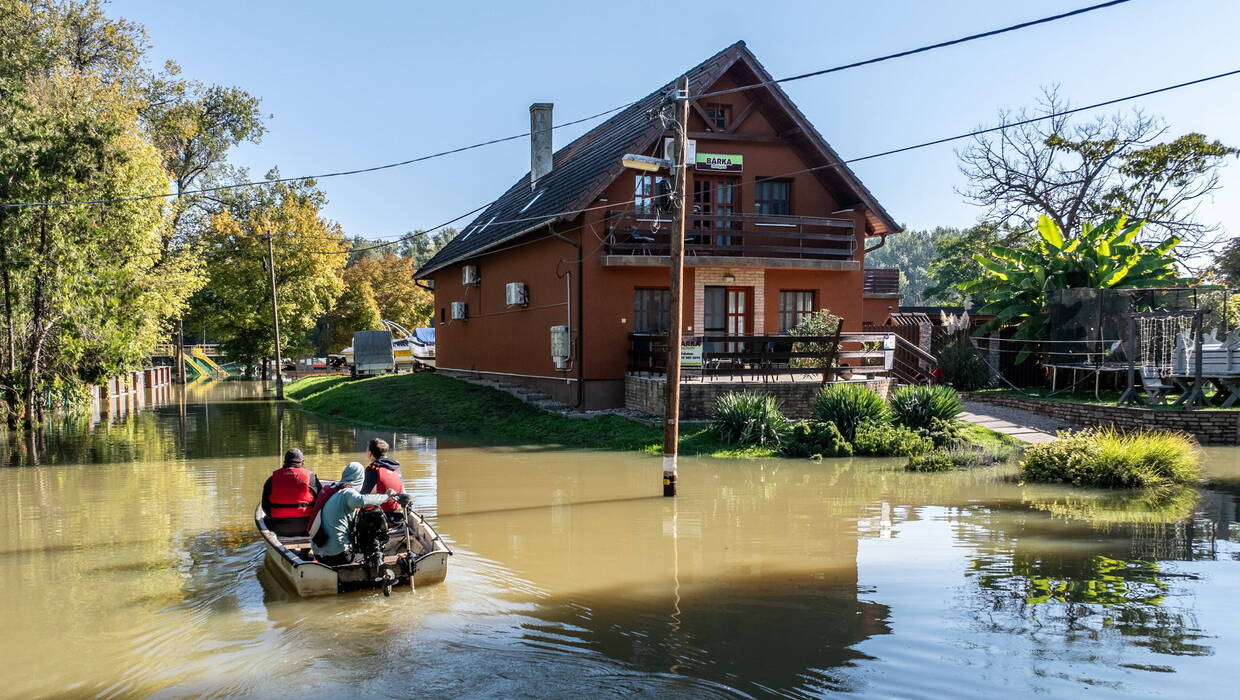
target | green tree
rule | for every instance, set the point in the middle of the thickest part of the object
(355, 310)
(422, 245)
(1079, 171)
(1015, 284)
(395, 291)
(310, 254)
(913, 253)
(954, 264)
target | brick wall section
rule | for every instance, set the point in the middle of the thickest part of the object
(796, 399)
(745, 277)
(1209, 427)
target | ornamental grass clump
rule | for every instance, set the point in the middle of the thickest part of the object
(920, 406)
(749, 419)
(816, 439)
(848, 405)
(1105, 457)
(964, 368)
(937, 461)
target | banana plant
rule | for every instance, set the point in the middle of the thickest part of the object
(1016, 284)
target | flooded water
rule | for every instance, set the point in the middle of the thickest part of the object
(130, 567)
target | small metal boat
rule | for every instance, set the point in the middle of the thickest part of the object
(416, 557)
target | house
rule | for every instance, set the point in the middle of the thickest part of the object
(581, 242)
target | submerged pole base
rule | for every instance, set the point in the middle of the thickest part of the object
(669, 475)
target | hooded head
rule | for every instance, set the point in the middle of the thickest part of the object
(354, 473)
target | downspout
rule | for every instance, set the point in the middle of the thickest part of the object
(882, 241)
(581, 376)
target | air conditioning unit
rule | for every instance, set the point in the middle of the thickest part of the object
(515, 294)
(460, 311)
(561, 348)
(469, 275)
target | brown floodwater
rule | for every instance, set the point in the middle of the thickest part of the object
(129, 567)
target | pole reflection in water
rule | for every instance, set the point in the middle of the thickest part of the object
(128, 547)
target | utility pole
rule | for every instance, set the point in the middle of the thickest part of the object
(180, 353)
(275, 316)
(671, 408)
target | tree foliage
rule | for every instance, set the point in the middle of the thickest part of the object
(355, 310)
(309, 252)
(1016, 283)
(86, 290)
(1079, 171)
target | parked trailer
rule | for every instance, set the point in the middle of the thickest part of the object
(372, 353)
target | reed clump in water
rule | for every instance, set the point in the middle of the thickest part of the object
(1108, 458)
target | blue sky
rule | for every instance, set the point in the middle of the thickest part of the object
(356, 84)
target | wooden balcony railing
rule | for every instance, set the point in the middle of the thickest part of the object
(769, 355)
(734, 235)
(882, 280)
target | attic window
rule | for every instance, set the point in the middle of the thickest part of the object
(718, 116)
(529, 203)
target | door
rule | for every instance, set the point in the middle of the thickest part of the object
(728, 311)
(714, 202)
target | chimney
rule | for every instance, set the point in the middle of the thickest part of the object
(540, 141)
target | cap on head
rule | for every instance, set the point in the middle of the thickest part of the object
(293, 458)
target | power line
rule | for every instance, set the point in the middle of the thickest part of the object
(357, 171)
(921, 49)
(387, 166)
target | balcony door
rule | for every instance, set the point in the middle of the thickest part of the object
(728, 311)
(715, 200)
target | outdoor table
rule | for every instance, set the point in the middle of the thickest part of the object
(1226, 388)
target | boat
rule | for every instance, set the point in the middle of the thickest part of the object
(293, 562)
(422, 342)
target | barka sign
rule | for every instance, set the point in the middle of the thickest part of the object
(720, 163)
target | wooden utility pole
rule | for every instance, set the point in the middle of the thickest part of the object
(671, 408)
(275, 316)
(180, 353)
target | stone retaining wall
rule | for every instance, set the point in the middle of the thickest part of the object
(796, 399)
(1209, 427)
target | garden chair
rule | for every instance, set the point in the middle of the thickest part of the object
(1155, 388)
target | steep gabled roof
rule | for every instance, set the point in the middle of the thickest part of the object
(584, 168)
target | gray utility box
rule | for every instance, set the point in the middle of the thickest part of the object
(372, 353)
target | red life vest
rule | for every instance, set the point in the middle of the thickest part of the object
(387, 479)
(291, 496)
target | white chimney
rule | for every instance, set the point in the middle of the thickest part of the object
(540, 141)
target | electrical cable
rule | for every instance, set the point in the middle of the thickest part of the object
(921, 49)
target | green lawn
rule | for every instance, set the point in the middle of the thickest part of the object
(431, 404)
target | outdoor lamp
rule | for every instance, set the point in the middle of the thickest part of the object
(648, 164)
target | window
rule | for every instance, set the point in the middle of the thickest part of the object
(443, 315)
(651, 310)
(646, 191)
(771, 197)
(794, 306)
(718, 116)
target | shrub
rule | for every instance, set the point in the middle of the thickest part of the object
(1108, 458)
(887, 440)
(848, 405)
(815, 438)
(743, 418)
(964, 367)
(967, 455)
(821, 323)
(919, 406)
(937, 461)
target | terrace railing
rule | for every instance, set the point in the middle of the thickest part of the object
(881, 280)
(769, 356)
(734, 235)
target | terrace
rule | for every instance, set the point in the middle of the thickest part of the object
(642, 238)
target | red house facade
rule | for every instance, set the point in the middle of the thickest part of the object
(778, 229)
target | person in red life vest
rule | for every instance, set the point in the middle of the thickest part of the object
(383, 476)
(289, 494)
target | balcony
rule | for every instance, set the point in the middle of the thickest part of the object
(739, 240)
(882, 281)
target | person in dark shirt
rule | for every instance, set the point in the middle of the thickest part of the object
(288, 496)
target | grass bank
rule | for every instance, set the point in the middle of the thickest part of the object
(432, 404)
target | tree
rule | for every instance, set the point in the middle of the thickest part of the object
(954, 264)
(911, 252)
(83, 296)
(355, 310)
(398, 296)
(1073, 172)
(421, 246)
(1015, 284)
(309, 254)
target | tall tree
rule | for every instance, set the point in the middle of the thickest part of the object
(395, 291)
(954, 263)
(422, 245)
(1075, 171)
(310, 254)
(911, 252)
(355, 310)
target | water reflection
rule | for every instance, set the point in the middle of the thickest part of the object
(130, 550)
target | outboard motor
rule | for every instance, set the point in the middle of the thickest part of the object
(371, 536)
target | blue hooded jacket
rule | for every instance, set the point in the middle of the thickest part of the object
(341, 508)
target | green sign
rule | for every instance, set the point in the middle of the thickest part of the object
(720, 162)
(690, 355)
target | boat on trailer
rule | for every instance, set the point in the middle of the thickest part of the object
(414, 557)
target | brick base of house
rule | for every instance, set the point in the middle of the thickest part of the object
(1209, 427)
(796, 399)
